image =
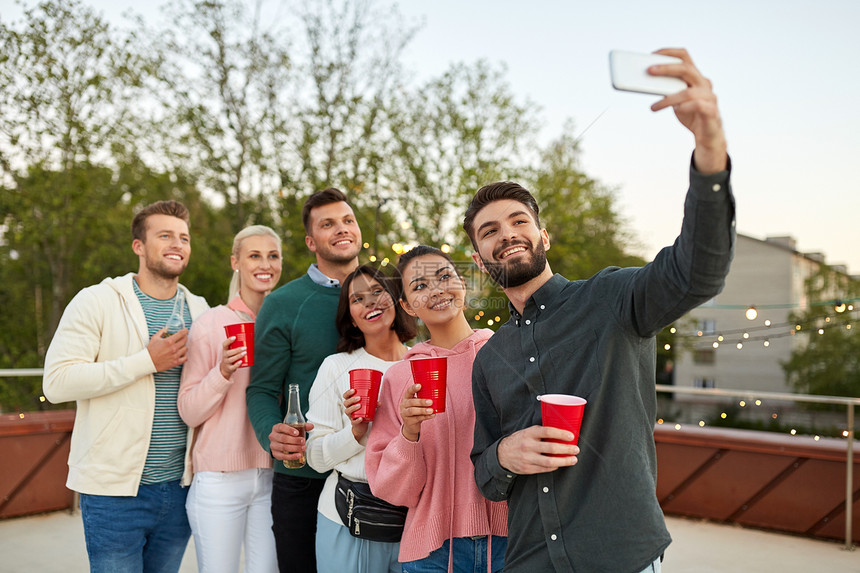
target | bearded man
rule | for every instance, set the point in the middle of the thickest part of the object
(129, 456)
(295, 331)
(592, 506)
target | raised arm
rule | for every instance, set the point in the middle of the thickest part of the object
(696, 108)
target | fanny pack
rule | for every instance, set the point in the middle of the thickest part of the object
(365, 515)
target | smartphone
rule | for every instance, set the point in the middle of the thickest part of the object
(629, 72)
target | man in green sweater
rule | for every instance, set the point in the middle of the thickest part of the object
(295, 331)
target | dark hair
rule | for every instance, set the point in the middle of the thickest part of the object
(318, 199)
(496, 192)
(351, 337)
(414, 253)
(172, 208)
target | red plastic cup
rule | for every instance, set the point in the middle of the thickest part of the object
(365, 382)
(244, 333)
(432, 374)
(562, 411)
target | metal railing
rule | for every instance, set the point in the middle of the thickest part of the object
(849, 403)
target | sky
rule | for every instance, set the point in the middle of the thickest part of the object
(785, 73)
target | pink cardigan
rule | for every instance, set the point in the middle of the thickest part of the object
(215, 406)
(434, 476)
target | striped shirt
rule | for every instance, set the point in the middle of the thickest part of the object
(165, 460)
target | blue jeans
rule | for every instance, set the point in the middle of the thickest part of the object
(148, 532)
(470, 556)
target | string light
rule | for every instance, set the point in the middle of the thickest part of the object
(751, 313)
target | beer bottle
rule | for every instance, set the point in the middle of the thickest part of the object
(295, 419)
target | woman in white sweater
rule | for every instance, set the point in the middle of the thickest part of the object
(372, 330)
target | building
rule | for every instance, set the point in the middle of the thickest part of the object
(722, 345)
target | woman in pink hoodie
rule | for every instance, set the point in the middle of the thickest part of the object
(419, 459)
(229, 502)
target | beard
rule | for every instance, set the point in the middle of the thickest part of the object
(520, 271)
(161, 270)
(327, 253)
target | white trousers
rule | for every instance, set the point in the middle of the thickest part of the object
(227, 510)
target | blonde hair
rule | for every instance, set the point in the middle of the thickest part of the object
(251, 231)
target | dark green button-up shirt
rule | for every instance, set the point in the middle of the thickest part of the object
(595, 339)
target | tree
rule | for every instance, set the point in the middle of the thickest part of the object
(828, 363)
(586, 231)
(341, 132)
(226, 97)
(455, 134)
(68, 83)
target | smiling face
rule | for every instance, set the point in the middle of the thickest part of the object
(370, 306)
(258, 263)
(433, 291)
(334, 234)
(165, 251)
(510, 246)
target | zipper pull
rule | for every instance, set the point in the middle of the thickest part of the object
(357, 527)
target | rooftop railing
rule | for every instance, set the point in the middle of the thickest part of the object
(849, 404)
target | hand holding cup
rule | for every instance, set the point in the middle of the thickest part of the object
(231, 357)
(351, 405)
(414, 411)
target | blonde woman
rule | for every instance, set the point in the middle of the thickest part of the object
(229, 500)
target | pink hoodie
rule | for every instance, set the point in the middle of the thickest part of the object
(425, 475)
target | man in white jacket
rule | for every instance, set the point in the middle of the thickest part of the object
(111, 353)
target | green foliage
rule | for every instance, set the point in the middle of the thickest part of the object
(586, 231)
(242, 116)
(828, 363)
(68, 87)
(455, 134)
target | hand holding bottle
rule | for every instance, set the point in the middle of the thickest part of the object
(287, 440)
(170, 351)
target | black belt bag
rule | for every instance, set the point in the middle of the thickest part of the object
(365, 515)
